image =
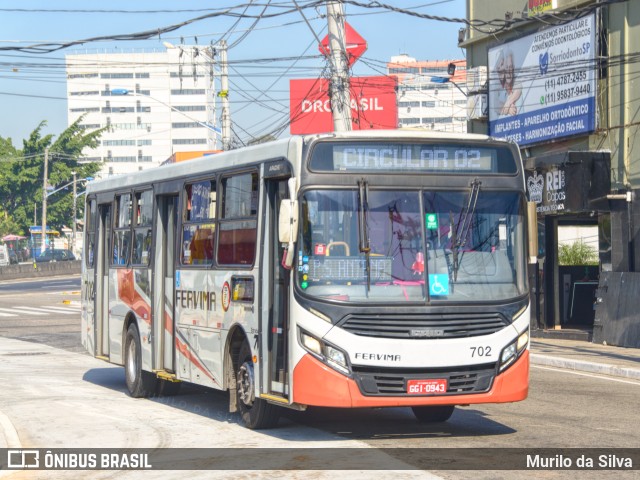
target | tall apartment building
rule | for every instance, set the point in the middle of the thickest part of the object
(155, 103)
(428, 97)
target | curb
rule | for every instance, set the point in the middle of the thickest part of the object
(582, 366)
(9, 432)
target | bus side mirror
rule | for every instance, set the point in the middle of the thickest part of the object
(288, 229)
(288, 221)
(532, 230)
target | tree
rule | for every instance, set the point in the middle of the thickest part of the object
(22, 171)
(578, 253)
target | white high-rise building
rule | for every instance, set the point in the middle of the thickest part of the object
(156, 104)
(428, 96)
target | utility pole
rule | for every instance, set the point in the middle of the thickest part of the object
(75, 204)
(339, 85)
(224, 95)
(43, 246)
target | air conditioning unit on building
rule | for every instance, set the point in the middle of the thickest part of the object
(477, 79)
(477, 106)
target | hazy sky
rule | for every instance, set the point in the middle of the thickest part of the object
(33, 86)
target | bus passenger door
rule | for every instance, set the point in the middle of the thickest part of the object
(102, 281)
(164, 284)
(275, 297)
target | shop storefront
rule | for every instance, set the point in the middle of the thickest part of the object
(568, 190)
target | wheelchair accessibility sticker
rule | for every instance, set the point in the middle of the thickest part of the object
(438, 284)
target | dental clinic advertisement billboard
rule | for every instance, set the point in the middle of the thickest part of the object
(542, 87)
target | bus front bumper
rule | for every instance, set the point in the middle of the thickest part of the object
(315, 384)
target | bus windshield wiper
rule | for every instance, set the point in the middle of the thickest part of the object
(460, 233)
(363, 227)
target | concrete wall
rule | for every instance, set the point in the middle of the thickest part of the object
(27, 270)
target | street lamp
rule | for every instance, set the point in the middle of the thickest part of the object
(75, 203)
(448, 80)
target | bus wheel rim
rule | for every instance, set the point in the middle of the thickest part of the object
(245, 384)
(131, 362)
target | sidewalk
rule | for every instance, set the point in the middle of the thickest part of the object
(586, 357)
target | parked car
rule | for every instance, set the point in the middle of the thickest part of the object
(55, 255)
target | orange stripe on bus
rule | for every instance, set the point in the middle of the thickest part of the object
(316, 384)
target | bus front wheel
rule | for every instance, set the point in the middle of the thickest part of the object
(139, 383)
(433, 414)
(256, 413)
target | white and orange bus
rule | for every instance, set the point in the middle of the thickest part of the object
(360, 269)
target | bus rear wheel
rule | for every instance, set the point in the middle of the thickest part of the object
(139, 383)
(256, 413)
(433, 414)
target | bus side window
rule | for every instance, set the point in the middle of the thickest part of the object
(142, 228)
(121, 239)
(199, 224)
(237, 233)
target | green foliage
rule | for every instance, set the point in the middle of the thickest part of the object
(22, 172)
(577, 253)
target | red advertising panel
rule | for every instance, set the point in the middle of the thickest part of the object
(373, 105)
(355, 44)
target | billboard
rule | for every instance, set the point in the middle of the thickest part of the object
(543, 86)
(373, 105)
(536, 7)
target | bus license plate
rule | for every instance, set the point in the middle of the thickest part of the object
(425, 387)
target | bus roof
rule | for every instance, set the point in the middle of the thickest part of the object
(277, 149)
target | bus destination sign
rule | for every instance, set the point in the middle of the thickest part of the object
(403, 158)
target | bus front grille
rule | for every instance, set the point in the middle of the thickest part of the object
(374, 381)
(421, 326)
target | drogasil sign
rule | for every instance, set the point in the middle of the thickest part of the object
(373, 105)
(362, 104)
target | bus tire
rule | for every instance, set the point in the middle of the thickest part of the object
(256, 413)
(433, 414)
(139, 383)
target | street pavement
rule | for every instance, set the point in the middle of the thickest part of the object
(587, 357)
(51, 385)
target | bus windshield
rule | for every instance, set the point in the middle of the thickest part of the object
(383, 246)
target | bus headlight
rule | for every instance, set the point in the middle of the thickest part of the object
(511, 352)
(326, 353)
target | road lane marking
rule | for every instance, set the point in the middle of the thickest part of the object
(7, 314)
(583, 374)
(65, 309)
(32, 311)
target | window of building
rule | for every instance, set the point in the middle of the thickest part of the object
(142, 143)
(84, 93)
(189, 141)
(82, 75)
(199, 223)
(85, 110)
(118, 143)
(191, 108)
(143, 75)
(429, 104)
(186, 125)
(188, 91)
(408, 104)
(238, 225)
(116, 75)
